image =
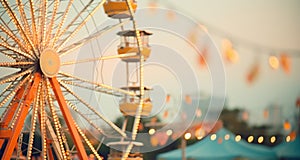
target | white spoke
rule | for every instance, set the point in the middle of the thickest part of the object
(88, 39)
(93, 110)
(61, 23)
(99, 59)
(14, 91)
(13, 77)
(103, 86)
(17, 23)
(88, 11)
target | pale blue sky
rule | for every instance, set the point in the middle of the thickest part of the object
(271, 25)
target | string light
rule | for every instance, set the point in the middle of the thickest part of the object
(226, 137)
(238, 138)
(151, 131)
(260, 139)
(273, 139)
(288, 138)
(213, 137)
(273, 62)
(250, 139)
(187, 136)
(169, 132)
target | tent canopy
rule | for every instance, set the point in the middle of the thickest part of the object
(220, 148)
(288, 150)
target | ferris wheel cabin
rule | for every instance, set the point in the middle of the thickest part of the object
(118, 148)
(129, 45)
(118, 9)
(130, 104)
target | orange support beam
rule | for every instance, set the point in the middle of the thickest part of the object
(9, 115)
(20, 120)
(50, 153)
(5, 134)
(68, 118)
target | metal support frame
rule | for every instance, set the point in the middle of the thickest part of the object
(12, 141)
(68, 117)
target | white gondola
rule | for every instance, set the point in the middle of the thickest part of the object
(118, 148)
(129, 45)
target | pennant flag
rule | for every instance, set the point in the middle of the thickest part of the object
(168, 98)
(253, 73)
(188, 99)
(229, 52)
(285, 63)
(203, 56)
(171, 15)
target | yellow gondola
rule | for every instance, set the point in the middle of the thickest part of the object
(129, 45)
(129, 105)
(118, 8)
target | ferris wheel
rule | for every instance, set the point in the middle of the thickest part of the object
(37, 97)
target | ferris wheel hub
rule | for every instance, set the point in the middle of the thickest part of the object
(49, 62)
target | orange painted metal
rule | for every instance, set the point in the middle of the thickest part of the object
(9, 115)
(5, 134)
(50, 154)
(12, 141)
(68, 118)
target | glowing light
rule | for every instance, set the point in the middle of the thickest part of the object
(273, 139)
(227, 136)
(238, 138)
(198, 112)
(188, 99)
(169, 132)
(250, 139)
(199, 137)
(213, 137)
(287, 125)
(230, 53)
(288, 138)
(260, 139)
(187, 136)
(273, 62)
(151, 131)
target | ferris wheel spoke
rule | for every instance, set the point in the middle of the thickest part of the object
(79, 21)
(23, 16)
(116, 128)
(33, 23)
(88, 120)
(51, 23)
(16, 50)
(99, 59)
(43, 22)
(17, 23)
(57, 125)
(56, 87)
(33, 121)
(15, 64)
(88, 142)
(83, 116)
(101, 86)
(14, 91)
(76, 45)
(14, 76)
(13, 37)
(101, 90)
(61, 23)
